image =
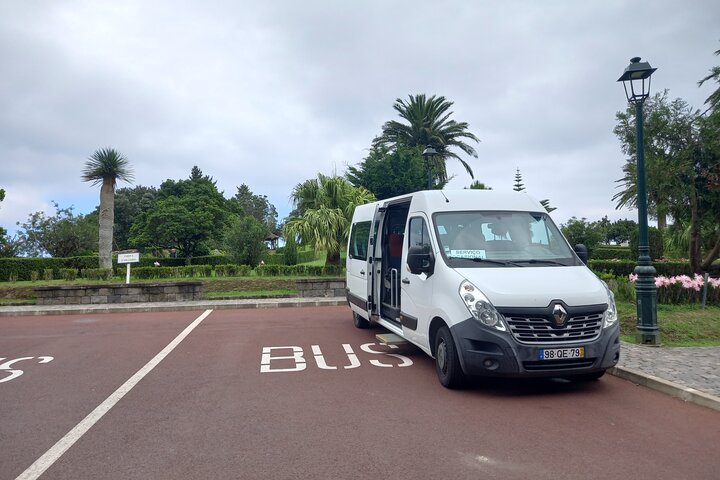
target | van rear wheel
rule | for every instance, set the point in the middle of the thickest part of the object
(360, 322)
(447, 363)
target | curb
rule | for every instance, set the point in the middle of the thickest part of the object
(34, 310)
(667, 387)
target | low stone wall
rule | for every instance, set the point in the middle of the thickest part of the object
(118, 293)
(321, 287)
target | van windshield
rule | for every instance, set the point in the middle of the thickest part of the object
(498, 239)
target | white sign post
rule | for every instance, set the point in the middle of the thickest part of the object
(128, 258)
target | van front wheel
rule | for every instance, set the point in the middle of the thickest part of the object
(447, 363)
(359, 321)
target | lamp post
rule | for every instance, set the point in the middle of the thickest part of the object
(427, 155)
(637, 90)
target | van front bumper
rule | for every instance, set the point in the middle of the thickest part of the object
(485, 352)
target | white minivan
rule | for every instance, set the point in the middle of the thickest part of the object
(482, 281)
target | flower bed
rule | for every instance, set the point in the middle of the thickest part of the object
(684, 289)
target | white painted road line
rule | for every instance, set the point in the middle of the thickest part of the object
(56, 451)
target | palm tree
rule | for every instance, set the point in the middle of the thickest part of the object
(429, 125)
(713, 100)
(105, 167)
(323, 211)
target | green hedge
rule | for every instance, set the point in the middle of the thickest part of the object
(299, 270)
(623, 268)
(20, 269)
(612, 252)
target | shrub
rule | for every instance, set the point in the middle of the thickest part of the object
(98, 273)
(612, 252)
(34, 275)
(655, 239)
(623, 268)
(290, 253)
(47, 274)
(68, 273)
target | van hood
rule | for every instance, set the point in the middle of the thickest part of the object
(537, 286)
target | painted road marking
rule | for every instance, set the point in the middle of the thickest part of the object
(62, 446)
(299, 363)
(14, 372)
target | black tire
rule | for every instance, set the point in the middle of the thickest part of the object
(447, 363)
(360, 322)
(589, 377)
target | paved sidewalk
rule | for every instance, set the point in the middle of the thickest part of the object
(691, 373)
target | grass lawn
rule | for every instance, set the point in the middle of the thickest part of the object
(680, 325)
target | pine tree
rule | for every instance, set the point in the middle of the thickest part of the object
(518, 186)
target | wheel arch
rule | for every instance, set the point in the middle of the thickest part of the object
(435, 325)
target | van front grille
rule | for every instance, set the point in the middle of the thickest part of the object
(542, 330)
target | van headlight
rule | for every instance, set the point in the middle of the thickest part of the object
(480, 307)
(611, 314)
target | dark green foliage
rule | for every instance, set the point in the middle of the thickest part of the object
(186, 215)
(63, 234)
(290, 253)
(130, 204)
(246, 203)
(612, 252)
(232, 270)
(98, 273)
(20, 269)
(69, 274)
(623, 268)
(244, 241)
(580, 231)
(299, 270)
(656, 243)
(389, 173)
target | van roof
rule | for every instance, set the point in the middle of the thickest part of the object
(459, 200)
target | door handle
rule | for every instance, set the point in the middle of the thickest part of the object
(406, 281)
(362, 272)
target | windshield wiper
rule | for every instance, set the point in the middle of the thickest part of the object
(546, 262)
(486, 260)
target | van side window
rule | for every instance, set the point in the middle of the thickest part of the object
(359, 241)
(419, 234)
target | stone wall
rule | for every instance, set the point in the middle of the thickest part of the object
(321, 287)
(118, 293)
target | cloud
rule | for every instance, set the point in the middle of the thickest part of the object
(271, 93)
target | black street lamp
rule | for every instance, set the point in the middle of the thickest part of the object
(637, 90)
(427, 154)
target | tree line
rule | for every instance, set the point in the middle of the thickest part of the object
(190, 217)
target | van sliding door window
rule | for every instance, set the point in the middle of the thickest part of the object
(359, 241)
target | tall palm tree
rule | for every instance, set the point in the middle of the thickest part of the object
(105, 167)
(713, 100)
(323, 211)
(429, 125)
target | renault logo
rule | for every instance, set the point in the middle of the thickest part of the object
(559, 315)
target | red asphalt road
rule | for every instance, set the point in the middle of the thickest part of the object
(207, 410)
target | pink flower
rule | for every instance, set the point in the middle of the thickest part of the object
(157, 264)
(633, 277)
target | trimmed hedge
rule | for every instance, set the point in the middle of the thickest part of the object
(612, 252)
(299, 270)
(623, 268)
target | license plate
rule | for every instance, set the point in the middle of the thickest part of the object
(561, 353)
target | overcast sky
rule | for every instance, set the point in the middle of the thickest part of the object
(269, 93)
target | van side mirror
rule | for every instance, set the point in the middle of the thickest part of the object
(582, 252)
(420, 261)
